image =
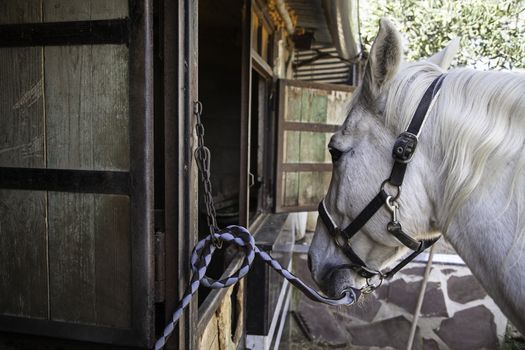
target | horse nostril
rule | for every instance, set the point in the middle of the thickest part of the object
(335, 153)
(309, 262)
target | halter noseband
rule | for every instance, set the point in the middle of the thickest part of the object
(403, 151)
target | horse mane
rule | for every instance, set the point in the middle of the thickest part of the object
(479, 128)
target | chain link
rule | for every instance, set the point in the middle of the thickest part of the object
(203, 157)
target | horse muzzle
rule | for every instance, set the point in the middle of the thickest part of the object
(338, 281)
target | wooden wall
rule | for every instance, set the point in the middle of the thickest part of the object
(64, 256)
(309, 114)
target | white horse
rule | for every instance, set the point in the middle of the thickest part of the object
(466, 179)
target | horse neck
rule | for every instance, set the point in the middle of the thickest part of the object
(485, 228)
(485, 238)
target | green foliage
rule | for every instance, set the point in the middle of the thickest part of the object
(492, 32)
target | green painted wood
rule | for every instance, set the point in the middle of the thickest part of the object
(312, 147)
(337, 105)
(86, 101)
(291, 189)
(309, 104)
(314, 106)
(23, 236)
(293, 104)
(292, 143)
(312, 188)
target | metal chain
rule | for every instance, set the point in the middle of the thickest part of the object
(203, 157)
(238, 235)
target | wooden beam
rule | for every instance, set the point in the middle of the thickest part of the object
(294, 126)
(314, 167)
(113, 31)
(82, 181)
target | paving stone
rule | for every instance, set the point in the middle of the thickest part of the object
(405, 295)
(393, 332)
(464, 289)
(382, 292)
(319, 325)
(430, 344)
(473, 328)
(413, 271)
(448, 271)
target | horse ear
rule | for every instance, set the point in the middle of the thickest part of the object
(385, 57)
(444, 57)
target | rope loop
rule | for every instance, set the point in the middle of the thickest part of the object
(241, 237)
(235, 234)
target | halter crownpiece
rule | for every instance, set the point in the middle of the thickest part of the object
(402, 152)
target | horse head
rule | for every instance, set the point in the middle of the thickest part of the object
(362, 158)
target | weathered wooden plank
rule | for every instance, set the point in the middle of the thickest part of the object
(314, 106)
(87, 107)
(311, 189)
(298, 167)
(291, 146)
(72, 257)
(210, 338)
(293, 101)
(23, 272)
(75, 10)
(112, 261)
(312, 148)
(306, 104)
(89, 258)
(336, 109)
(87, 128)
(310, 127)
(291, 189)
(20, 11)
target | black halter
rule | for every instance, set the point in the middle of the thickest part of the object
(403, 151)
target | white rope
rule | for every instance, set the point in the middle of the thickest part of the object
(420, 299)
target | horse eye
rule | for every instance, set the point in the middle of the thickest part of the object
(335, 153)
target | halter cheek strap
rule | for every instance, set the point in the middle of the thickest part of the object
(403, 151)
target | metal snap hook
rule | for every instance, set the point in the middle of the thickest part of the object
(393, 206)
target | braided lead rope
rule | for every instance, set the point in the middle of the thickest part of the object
(240, 236)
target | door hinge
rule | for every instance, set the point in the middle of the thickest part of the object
(160, 266)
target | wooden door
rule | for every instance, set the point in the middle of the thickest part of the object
(309, 113)
(76, 170)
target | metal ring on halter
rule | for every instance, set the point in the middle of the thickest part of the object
(340, 241)
(370, 287)
(398, 188)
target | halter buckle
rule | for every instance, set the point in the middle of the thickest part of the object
(404, 147)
